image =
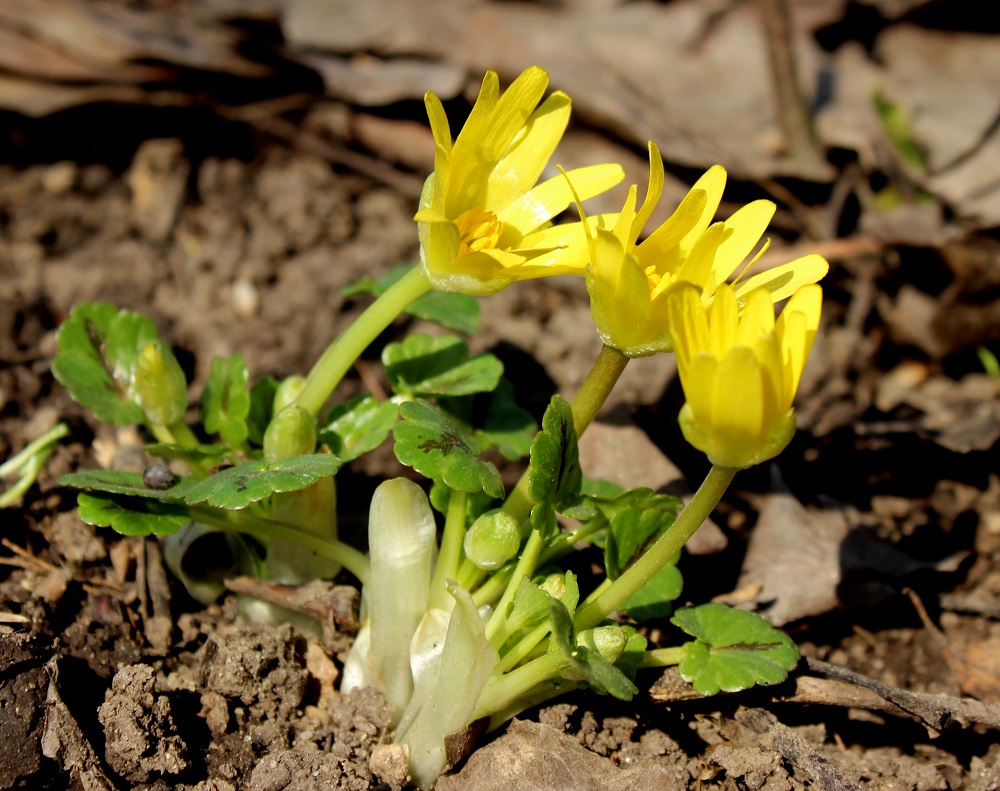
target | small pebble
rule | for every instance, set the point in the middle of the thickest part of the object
(158, 476)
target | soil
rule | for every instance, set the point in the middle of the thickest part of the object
(112, 677)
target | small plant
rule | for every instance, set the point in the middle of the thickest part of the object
(478, 620)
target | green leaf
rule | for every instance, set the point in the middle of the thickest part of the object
(237, 487)
(357, 427)
(899, 130)
(424, 366)
(655, 598)
(262, 394)
(734, 649)
(97, 350)
(476, 503)
(127, 483)
(225, 401)
(457, 312)
(636, 519)
(554, 476)
(585, 663)
(138, 518)
(209, 455)
(435, 446)
(496, 420)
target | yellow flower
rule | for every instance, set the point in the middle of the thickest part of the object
(740, 369)
(483, 223)
(627, 282)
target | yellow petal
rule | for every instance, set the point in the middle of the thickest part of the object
(552, 197)
(713, 182)
(697, 265)
(783, 281)
(442, 136)
(738, 408)
(723, 321)
(688, 321)
(757, 317)
(742, 233)
(653, 192)
(661, 247)
(522, 163)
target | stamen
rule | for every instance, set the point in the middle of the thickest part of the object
(478, 229)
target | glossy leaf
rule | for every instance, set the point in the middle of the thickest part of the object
(225, 401)
(138, 517)
(496, 419)
(127, 483)
(655, 598)
(554, 476)
(435, 446)
(636, 519)
(424, 366)
(357, 427)
(97, 350)
(237, 487)
(734, 649)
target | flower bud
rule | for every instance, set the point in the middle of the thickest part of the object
(159, 385)
(291, 432)
(493, 539)
(287, 392)
(608, 641)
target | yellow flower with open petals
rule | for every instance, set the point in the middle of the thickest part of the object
(740, 369)
(628, 282)
(483, 223)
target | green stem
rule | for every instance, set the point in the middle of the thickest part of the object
(341, 354)
(525, 568)
(660, 553)
(585, 405)
(347, 556)
(662, 657)
(505, 689)
(450, 553)
(525, 646)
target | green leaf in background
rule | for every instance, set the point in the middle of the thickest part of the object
(204, 454)
(357, 427)
(261, 411)
(127, 483)
(97, 349)
(496, 420)
(225, 401)
(138, 518)
(554, 476)
(435, 446)
(424, 366)
(897, 128)
(734, 649)
(457, 312)
(636, 519)
(655, 599)
(237, 487)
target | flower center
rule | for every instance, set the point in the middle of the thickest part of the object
(657, 282)
(478, 229)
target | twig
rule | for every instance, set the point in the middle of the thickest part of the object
(795, 750)
(801, 143)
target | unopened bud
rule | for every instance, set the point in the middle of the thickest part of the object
(493, 539)
(287, 392)
(292, 432)
(608, 641)
(159, 384)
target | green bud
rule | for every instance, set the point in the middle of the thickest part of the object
(287, 392)
(158, 384)
(493, 539)
(608, 641)
(291, 432)
(554, 585)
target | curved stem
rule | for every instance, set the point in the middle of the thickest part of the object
(351, 559)
(585, 405)
(450, 553)
(341, 354)
(660, 553)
